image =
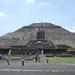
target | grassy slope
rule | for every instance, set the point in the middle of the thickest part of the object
(71, 49)
(67, 60)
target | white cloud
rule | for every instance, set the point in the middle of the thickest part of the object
(2, 14)
(44, 3)
(72, 29)
(30, 1)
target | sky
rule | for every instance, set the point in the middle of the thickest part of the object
(15, 14)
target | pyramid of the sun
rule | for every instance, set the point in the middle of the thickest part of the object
(56, 34)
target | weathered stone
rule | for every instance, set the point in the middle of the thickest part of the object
(56, 34)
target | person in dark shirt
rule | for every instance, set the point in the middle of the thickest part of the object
(47, 60)
(22, 62)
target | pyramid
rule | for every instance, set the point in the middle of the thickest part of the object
(56, 36)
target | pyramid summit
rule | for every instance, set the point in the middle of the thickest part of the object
(52, 35)
(41, 24)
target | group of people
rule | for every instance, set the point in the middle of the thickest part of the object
(37, 59)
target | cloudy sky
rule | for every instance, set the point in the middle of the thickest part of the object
(15, 14)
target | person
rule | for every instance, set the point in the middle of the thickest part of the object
(47, 60)
(8, 61)
(36, 59)
(0, 57)
(22, 62)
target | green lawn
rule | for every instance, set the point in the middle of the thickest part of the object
(14, 57)
(67, 60)
(71, 49)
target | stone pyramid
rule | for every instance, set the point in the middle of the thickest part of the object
(56, 34)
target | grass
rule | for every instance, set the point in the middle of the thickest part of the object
(66, 60)
(71, 49)
(15, 57)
